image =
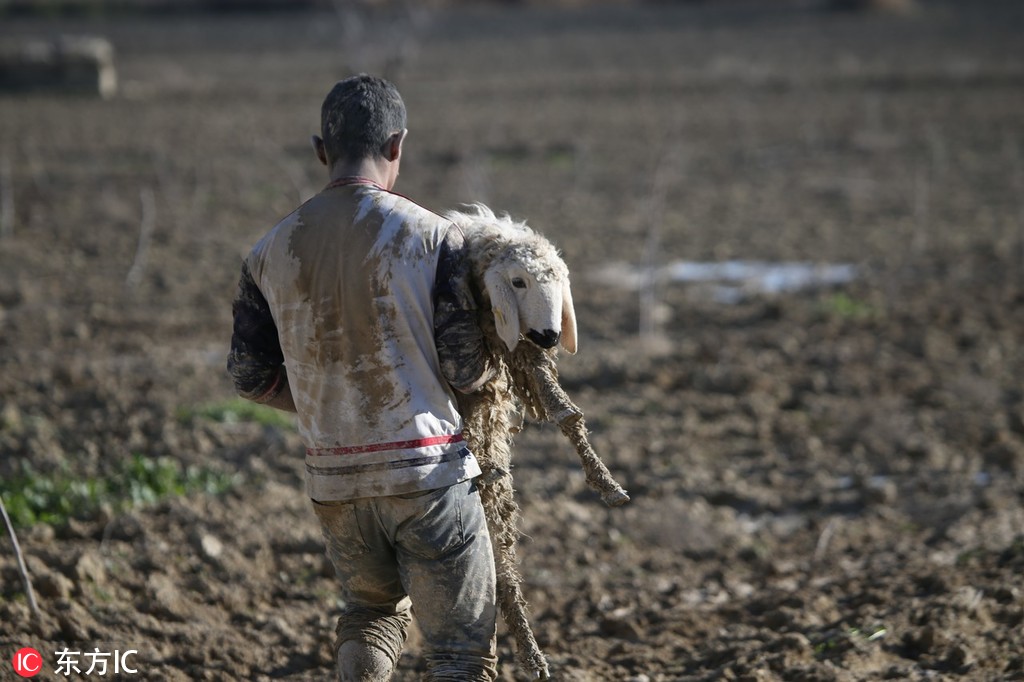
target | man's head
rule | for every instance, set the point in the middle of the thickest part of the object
(362, 118)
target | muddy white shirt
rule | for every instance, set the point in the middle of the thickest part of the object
(350, 282)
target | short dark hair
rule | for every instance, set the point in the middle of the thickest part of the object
(358, 116)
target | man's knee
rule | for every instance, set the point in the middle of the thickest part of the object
(362, 662)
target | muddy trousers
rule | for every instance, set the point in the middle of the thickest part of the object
(429, 551)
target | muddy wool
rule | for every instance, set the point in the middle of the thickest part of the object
(525, 378)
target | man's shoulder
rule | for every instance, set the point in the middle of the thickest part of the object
(415, 210)
(273, 241)
(286, 224)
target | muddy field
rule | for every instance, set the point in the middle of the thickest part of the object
(827, 483)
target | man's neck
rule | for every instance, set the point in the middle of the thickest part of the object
(370, 169)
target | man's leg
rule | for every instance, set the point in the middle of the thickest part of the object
(361, 662)
(447, 567)
(375, 619)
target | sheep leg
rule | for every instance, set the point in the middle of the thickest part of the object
(598, 476)
(528, 654)
(569, 417)
(502, 514)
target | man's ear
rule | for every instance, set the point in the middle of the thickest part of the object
(319, 148)
(393, 147)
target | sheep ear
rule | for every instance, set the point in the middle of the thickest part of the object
(568, 320)
(504, 307)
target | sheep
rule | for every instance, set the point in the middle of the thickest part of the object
(523, 286)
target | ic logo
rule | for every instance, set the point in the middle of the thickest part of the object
(27, 662)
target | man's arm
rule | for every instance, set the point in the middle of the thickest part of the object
(457, 334)
(256, 362)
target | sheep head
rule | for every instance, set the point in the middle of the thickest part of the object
(524, 277)
(531, 298)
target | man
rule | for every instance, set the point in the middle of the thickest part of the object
(355, 312)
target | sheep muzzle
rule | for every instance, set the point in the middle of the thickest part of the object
(545, 339)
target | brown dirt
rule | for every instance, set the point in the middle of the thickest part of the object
(827, 485)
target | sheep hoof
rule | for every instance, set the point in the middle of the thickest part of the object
(492, 475)
(568, 416)
(615, 498)
(540, 668)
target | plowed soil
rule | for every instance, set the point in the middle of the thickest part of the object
(826, 483)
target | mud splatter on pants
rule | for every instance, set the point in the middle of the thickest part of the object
(427, 550)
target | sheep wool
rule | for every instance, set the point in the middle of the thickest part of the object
(526, 380)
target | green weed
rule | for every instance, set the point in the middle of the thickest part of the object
(846, 307)
(871, 634)
(32, 497)
(842, 639)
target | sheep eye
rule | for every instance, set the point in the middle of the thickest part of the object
(518, 283)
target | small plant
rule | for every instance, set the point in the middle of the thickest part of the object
(846, 307)
(967, 557)
(871, 634)
(825, 646)
(235, 411)
(842, 640)
(32, 497)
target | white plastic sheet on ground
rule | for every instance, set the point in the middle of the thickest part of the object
(732, 280)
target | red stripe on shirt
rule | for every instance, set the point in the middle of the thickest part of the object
(379, 447)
